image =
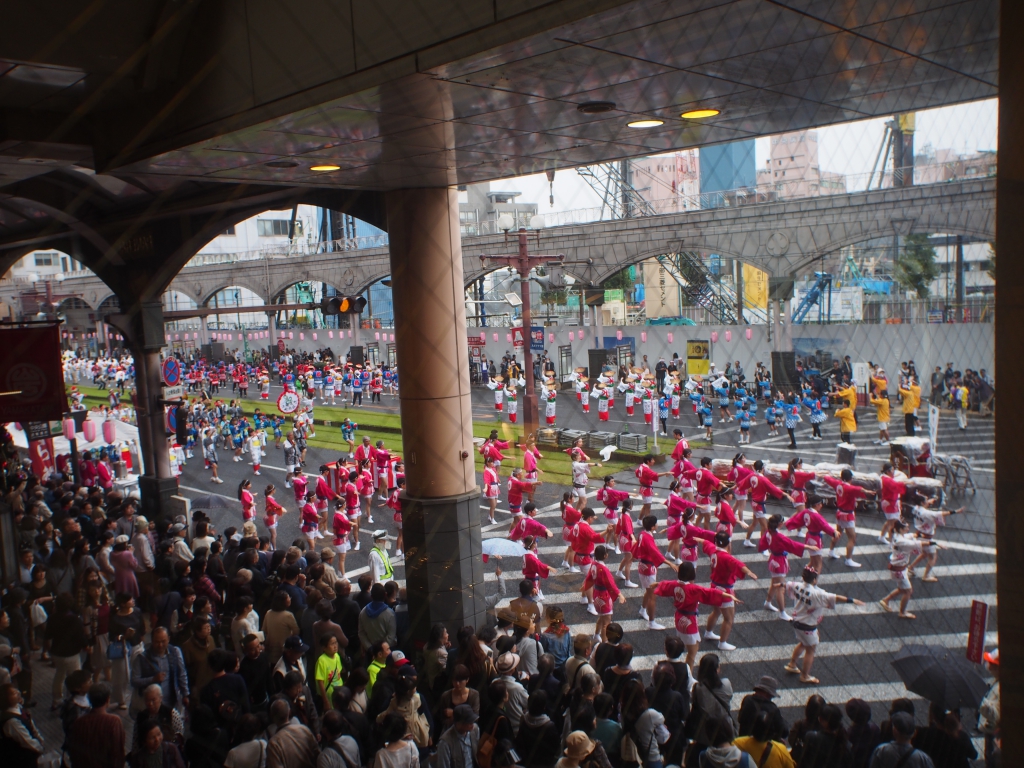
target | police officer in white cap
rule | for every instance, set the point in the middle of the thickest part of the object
(380, 562)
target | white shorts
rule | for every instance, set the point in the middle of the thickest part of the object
(809, 639)
(646, 582)
(900, 577)
(646, 495)
(883, 426)
(846, 523)
(343, 546)
(740, 496)
(891, 510)
(929, 547)
(730, 604)
(688, 638)
(759, 511)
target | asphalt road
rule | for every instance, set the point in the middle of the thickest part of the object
(857, 643)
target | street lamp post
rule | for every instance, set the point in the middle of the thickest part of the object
(523, 262)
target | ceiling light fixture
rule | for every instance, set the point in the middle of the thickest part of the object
(282, 164)
(645, 123)
(324, 168)
(697, 114)
(595, 107)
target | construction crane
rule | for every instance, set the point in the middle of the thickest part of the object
(820, 294)
(613, 182)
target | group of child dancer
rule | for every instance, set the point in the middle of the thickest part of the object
(702, 512)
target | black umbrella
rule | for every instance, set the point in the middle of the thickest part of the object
(211, 501)
(940, 675)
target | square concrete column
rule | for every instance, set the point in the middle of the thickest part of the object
(441, 509)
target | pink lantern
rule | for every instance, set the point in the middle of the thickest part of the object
(177, 337)
(168, 337)
(551, 338)
(669, 337)
(376, 336)
(68, 425)
(750, 334)
(291, 334)
(508, 337)
(89, 430)
(495, 337)
(483, 337)
(250, 336)
(581, 335)
(643, 336)
(714, 336)
(618, 335)
(302, 336)
(392, 337)
(330, 334)
(728, 335)
(195, 336)
(109, 432)
(314, 336)
(350, 334)
(572, 335)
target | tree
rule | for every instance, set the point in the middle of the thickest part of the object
(916, 268)
(623, 280)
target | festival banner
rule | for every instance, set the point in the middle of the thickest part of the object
(31, 377)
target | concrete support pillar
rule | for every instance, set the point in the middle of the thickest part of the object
(102, 341)
(204, 331)
(145, 332)
(272, 333)
(776, 325)
(1010, 367)
(440, 508)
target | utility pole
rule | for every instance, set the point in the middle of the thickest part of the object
(523, 262)
(959, 278)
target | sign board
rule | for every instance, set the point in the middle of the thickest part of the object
(936, 316)
(288, 402)
(976, 633)
(517, 337)
(31, 373)
(474, 354)
(614, 294)
(476, 341)
(280, 345)
(170, 370)
(41, 430)
(698, 357)
(173, 393)
(933, 425)
(41, 453)
(536, 338)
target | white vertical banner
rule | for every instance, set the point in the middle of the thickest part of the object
(933, 425)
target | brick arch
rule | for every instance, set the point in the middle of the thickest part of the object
(236, 283)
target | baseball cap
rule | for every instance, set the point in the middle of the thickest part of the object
(398, 659)
(464, 714)
(294, 643)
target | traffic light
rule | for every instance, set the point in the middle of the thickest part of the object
(342, 305)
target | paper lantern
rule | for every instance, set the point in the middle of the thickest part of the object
(714, 336)
(483, 337)
(572, 335)
(728, 335)
(581, 335)
(750, 334)
(376, 336)
(68, 425)
(195, 336)
(177, 337)
(551, 338)
(168, 337)
(330, 334)
(495, 337)
(109, 432)
(669, 337)
(618, 335)
(302, 336)
(392, 337)
(291, 334)
(89, 430)
(643, 336)
(508, 337)
(314, 336)
(249, 335)
(350, 334)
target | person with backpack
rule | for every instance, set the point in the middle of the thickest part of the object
(711, 700)
(762, 747)
(721, 753)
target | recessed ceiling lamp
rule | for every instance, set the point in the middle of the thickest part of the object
(595, 107)
(282, 164)
(324, 168)
(645, 123)
(697, 114)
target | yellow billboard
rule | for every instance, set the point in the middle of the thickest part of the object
(755, 288)
(698, 357)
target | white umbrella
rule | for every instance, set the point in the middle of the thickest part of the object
(499, 547)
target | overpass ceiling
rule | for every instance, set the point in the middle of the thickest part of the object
(163, 98)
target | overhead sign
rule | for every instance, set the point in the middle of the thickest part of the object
(170, 369)
(698, 357)
(31, 376)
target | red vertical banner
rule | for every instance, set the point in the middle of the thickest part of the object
(41, 454)
(31, 375)
(976, 633)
